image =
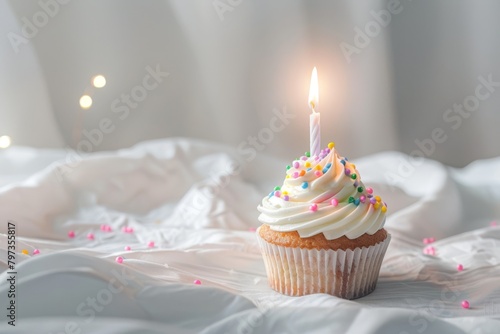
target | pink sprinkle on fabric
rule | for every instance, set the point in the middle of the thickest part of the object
(313, 207)
(465, 304)
(428, 240)
(127, 248)
(151, 244)
(127, 229)
(197, 282)
(429, 250)
(71, 234)
(36, 251)
(119, 259)
(460, 267)
(90, 236)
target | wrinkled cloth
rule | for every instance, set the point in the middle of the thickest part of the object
(197, 202)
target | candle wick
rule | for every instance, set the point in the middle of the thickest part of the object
(312, 106)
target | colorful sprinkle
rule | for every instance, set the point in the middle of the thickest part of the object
(334, 202)
(277, 193)
(288, 167)
(318, 167)
(277, 188)
(307, 154)
(318, 173)
(384, 209)
(362, 198)
(36, 251)
(376, 206)
(25, 252)
(360, 189)
(305, 185)
(465, 304)
(127, 248)
(313, 207)
(296, 164)
(369, 190)
(90, 236)
(354, 176)
(304, 158)
(355, 184)
(71, 234)
(119, 259)
(356, 201)
(342, 162)
(347, 171)
(151, 244)
(197, 282)
(295, 175)
(351, 199)
(460, 267)
(331, 145)
(307, 164)
(302, 173)
(286, 198)
(377, 198)
(284, 192)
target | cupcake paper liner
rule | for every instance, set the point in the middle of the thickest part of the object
(348, 274)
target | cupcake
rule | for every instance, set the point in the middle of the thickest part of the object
(322, 229)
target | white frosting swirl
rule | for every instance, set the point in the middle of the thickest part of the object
(289, 207)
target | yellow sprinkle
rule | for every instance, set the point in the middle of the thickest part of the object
(377, 198)
(353, 166)
(287, 176)
(376, 206)
(318, 167)
(307, 164)
(285, 192)
(331, 145)
(384, 209)
(25, 252)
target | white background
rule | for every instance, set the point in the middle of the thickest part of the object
(229, 70)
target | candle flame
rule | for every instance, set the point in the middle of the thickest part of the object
(313, 90)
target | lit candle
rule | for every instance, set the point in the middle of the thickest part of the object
(314, 124)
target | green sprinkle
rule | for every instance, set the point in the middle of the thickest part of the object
(288, 167)
(277, 188)
(360, 189)
(351, 199)
(308, 154)
(353, 176)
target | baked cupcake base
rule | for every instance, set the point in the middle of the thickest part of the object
(299, 266)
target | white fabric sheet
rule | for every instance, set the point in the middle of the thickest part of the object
(190, 198)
